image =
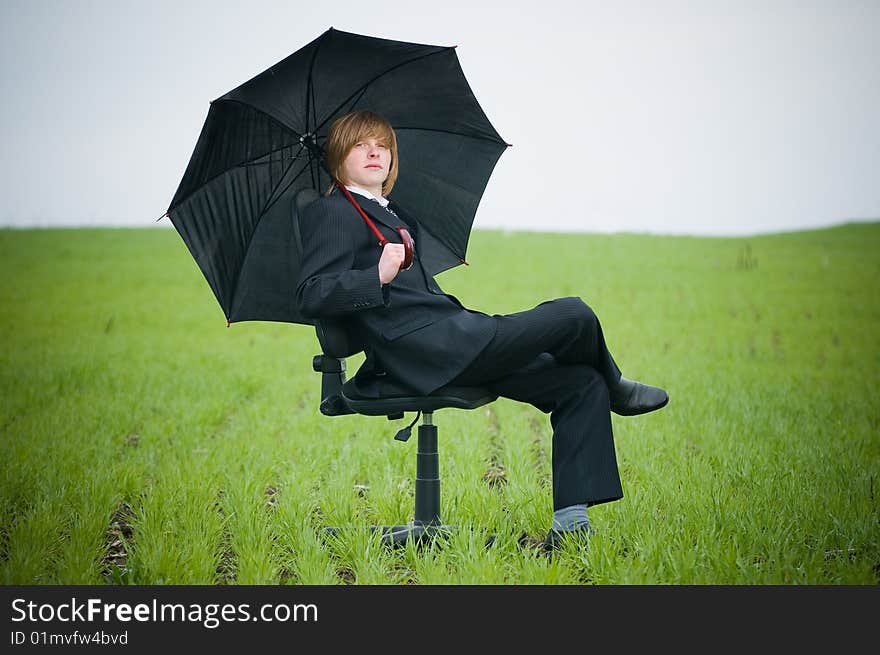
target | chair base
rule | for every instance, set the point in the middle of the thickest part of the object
(397, 536)
(426, 526)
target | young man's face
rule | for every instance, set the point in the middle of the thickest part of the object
(368, 164)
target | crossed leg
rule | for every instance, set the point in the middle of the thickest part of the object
(554, 357)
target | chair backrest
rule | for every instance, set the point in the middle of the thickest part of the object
(336, 336)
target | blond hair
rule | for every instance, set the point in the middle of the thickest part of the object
(349, 130)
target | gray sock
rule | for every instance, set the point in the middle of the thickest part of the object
(572, 517)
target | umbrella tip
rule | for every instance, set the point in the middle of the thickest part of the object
(509, 145)
(227, 322)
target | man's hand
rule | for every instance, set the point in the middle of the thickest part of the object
(390, 262)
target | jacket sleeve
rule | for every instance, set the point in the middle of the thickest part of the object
(328, 285)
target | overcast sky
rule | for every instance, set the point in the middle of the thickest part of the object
(664, 117)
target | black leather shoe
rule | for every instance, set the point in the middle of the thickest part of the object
(629, 398)
(556, 538)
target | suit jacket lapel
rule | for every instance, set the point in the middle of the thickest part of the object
(378, 213)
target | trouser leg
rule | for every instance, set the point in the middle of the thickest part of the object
(567, 328)
(576, 396)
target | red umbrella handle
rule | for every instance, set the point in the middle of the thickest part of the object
(405, 236)
(408, 248)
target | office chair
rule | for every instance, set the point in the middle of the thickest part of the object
(340, 396)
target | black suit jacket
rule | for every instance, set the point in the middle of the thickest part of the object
(415, 332)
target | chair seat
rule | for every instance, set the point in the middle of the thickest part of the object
(450, 396)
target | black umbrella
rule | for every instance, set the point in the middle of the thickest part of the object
(262, 142)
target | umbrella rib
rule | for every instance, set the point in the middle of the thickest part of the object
(281, 91)
(245, 162)
(278, 197)
(267, 163)
(310, 87)
(469, 136)
(363, 88)
(311, 109)
(262, 213)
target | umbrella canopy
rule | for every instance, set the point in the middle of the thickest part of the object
(262, 142)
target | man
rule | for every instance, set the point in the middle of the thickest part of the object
(552, 356)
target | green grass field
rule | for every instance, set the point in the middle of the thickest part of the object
(144, 442)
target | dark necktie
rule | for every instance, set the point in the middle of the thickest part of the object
(394, 214)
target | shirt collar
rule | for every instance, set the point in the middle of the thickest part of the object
(366, 194)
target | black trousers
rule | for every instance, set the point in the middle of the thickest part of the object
(554, 357)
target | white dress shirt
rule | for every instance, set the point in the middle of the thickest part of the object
(366, 194)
